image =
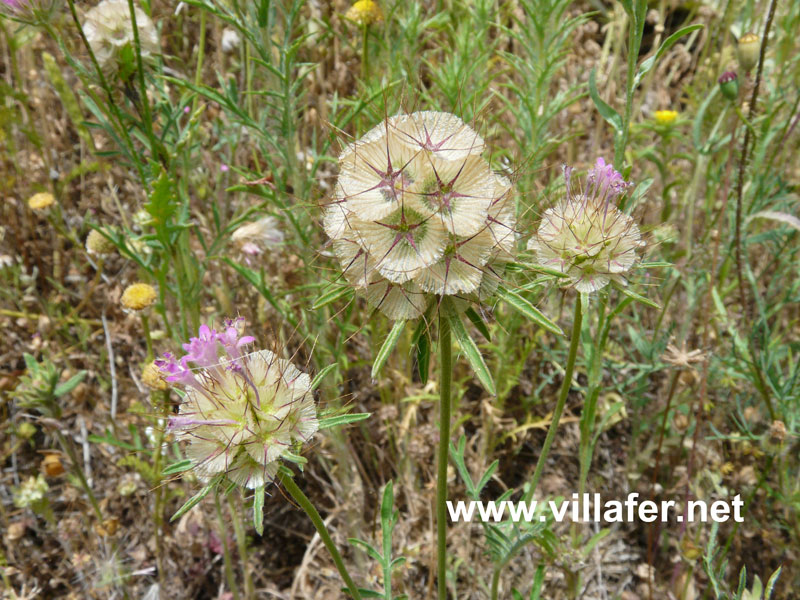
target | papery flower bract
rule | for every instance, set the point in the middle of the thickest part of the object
(585, 236)
(417, 213)
(109, 30)
(241, 412)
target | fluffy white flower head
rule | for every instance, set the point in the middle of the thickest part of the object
(242, 412)
(418, 212)
(585, 236)
(109, 30)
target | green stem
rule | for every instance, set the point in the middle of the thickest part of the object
(445, 373)
(158, 512)
(147, 338)
(241, 545)
(364, 53)
(301, 499)
(226, 553)
(76, 468)
(562, 399)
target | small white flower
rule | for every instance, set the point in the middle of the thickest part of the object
(230, 40)
(254, 238)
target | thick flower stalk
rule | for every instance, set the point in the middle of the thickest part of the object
(109, 31)
(585, 236)
(242, 411)
(418, 213)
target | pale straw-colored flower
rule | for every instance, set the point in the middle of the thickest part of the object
(252, 239)
(109, 30)
(418, 213)
(242, 412)
(585, 236)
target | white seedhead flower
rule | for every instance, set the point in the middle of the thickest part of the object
(585, 236)
(242, 411)
(109, 31)
(418, 213)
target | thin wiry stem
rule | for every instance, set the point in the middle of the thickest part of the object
(446, 373)
(747, 308)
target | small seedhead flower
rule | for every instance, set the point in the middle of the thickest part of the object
(585, 236)
(364, 12)
(418, 213)
(242, 412)
(109, 31)
(153, 378)
(41, 201)
(747, 51)
(138, 296)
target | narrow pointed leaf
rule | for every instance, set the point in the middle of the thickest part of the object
(386, 349)
(319, 376)
(471, 351)
(342, 420)
(519, 303)
(258, 510)
(480, 325)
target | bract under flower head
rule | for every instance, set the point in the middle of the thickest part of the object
(417, 213)
(585, 236)
(241, 412)
(109, 30)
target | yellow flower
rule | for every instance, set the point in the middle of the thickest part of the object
(153, 378)
(666, 117)
(365, 12)
(138, 296)
(41, 200)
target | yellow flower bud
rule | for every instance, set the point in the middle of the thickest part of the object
(97, 243)
(748, 50)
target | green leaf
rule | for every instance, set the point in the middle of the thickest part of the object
(161, 205)
(422, 341)
(197, 498)
(469, 348)
(178, 467)
(331, 294)
(479, 323)
(665, 45)
(320, 376)
(387, 519)
(611, 116)
(69, 385)
(771, 584)
(519, 303)
(637, 297)
(329, 422)
(258, 509)
(387, 347)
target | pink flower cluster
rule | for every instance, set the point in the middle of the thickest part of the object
(209, 349)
